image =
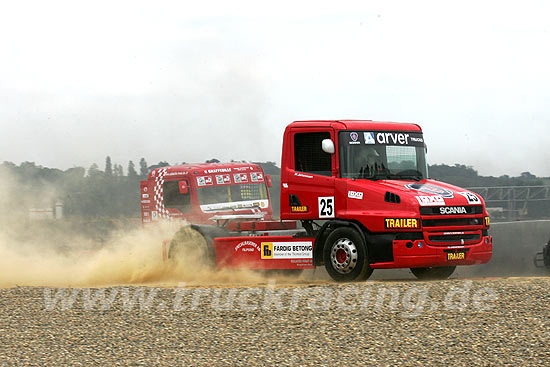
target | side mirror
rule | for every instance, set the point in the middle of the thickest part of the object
(268, 180)
(184, 189)
(328, 146)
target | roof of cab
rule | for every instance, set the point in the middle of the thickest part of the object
(203, 168)
(358, 125)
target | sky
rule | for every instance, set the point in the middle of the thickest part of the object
(188, 81)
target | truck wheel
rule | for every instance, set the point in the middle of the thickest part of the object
(345, 256)
(442, 272)
(546, 254)
(190, 246)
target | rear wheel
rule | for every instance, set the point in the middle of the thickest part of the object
(190, 246)
(345, 256)
(442, 272)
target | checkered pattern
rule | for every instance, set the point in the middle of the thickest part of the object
(159, 193)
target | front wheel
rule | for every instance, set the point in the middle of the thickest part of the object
(442, 272)
(345, 256)
(190, 247)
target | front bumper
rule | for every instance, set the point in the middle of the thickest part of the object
(419, 254)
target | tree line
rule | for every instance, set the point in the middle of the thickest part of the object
(466, 176)
(113, 190)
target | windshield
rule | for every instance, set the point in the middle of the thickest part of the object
(382, 155)
(233, 196)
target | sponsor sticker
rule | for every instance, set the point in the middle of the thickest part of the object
(177, 173)
(298, 209)
(204, 181)
(217, 170)
(241, 169)
(287, 250)
(401, 223)
(256, 177)
(145, 196)
(452, 210)
(369, 138)
(354, 138)
(392, 138)
(434, 200)
(355, 195)
(395, 138)
(453, 256)
(146, 201)
(302, 175)
(240, 205)
(247, 246)
(240, 177)
(431, 189)
(471, 197)
(223, 179)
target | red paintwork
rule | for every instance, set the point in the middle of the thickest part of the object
(263, 225)
(404, 257)
(370, 210)
(152, 205)
(427, 256)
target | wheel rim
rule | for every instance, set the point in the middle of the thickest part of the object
(343, 256)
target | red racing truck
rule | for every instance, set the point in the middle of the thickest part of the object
(198, 192)
(360, 190)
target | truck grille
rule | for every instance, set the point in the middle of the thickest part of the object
(453, 225)
(452, 222)
(455, 238)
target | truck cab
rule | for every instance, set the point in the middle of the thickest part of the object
(370, 180)
(202, 193)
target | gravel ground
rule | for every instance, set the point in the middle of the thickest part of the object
(464, 322)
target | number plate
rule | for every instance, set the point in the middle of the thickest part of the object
(326, 207)
(454, 256)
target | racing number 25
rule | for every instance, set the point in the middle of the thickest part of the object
(326, 207)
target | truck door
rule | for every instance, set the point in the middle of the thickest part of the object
(311, 176)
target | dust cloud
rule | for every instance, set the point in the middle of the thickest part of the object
(129, 256)
(90, 252)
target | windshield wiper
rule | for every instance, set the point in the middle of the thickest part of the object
(411, 174)
(364, 174)
(411, 177)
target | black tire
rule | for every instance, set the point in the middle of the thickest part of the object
(442, 272)
(546, 255)
(345, 256)
(190, 245)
